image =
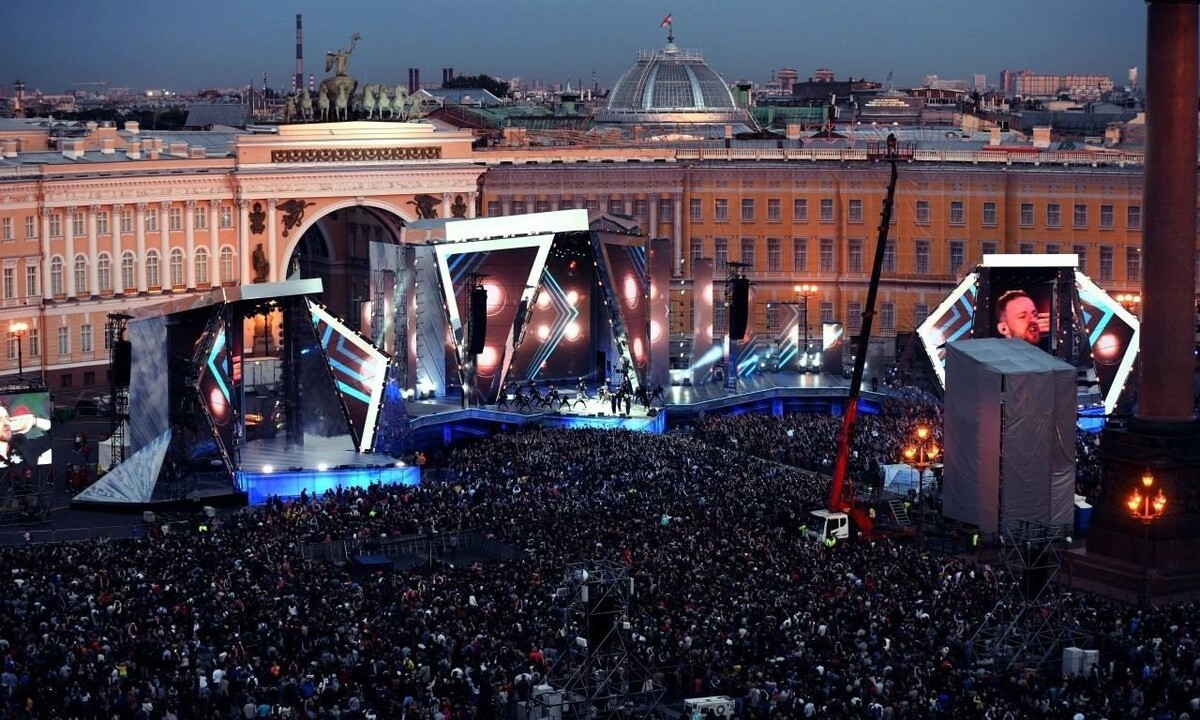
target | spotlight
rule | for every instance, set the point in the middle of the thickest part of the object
(268, 468)
(322, 467)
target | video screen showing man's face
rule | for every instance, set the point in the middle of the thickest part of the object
(1017, 316)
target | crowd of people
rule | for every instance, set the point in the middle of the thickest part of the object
(226, 619)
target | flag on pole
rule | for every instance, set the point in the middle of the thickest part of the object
(666, 21)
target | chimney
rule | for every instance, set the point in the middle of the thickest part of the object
(994, 136)
(178, 149)
(10, 148)
(108, 146)
(151, 148)
(133, 151)
(793, 132)
(72, 149)
(132, 126)
(91, 126)
(298, 80)
(1041, 137)
(198, 153)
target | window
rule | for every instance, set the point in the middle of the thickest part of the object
(1081, 253)
(697, 250)
(81, 274)
(720, 317)
(35, 343)
(6, 229)
(10, 283)
(721, 210)
(11, 347)
(151, 220)
(989, 214)
(591, 204)
(887, 317)
(696, 209)
(104, 272)
(201, 266)
(1133, 264)
(177, 278)
(922, 212)
(855, 211)
(989, 247)
(1133, 217)
(720, 253)
(957, 215)
(826, 255)
(1053, 215)
(826, 312)
(748, 251)
(227, 274)
(55, 225)
(1026, 214)
(854, 316)
(102, 223)
(226, 216)
(747, 210)
(616, 206)
(920, 313)
(78, 228)
(826, 210)
(493, 208)
(855, 258)
(65, 381)
(64, 341)
(56, 276)
(1053, 248)
(922, 257)
(958, 255)
(1025, 248)
(1079, 219)
(544, 205)
(518, 207)
(152, 280)
(666, 210)
(1106, 263)
(800, 210)
(85, 339)
(889, 256)
(800, 254)
(774, 210)
(126, 221)
(33, 280)
(772, 318)
(128, 277)
(200, 217)
(567, 203)
(774, 255)
(30, 227)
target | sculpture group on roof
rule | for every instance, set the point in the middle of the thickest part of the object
(337, 97)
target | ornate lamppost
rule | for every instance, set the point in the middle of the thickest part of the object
(1130, 301)
(921, 454)
(803, 293)
(18, 330)
(1147, 510)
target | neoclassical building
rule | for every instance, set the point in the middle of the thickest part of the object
(122, 219)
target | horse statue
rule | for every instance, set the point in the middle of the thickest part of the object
(341, 104)
(289, 110)
(414, 108)
(306, 106)
(368, 100)
(323, 104)
(399, 100)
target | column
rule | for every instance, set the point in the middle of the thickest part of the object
(677, 236)
(139, 229)
(214, 244)
(114, 225)
(164, 242)
(652, 210)
(244, 250)
(627, 204)
(68, 226)
(472, 201)
(273, 245)
(47, 286)
(189, 243)
(445, 205)
(506, 205)
(93, 253)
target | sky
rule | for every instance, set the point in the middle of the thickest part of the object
(186, 45)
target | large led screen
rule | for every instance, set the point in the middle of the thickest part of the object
(556, 344)
(25, 435)
(216, 386)
(628, 274)
(359, 372)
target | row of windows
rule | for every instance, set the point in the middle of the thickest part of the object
(856, 260)
(177, 264)
(640, 207)
(125, 219)
(33, 342)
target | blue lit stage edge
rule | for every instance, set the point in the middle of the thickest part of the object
(288, 484)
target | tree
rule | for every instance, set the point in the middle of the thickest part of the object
(499, 88)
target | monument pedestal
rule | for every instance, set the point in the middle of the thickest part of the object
(1154, 561)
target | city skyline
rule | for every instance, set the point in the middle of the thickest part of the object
(63, 45)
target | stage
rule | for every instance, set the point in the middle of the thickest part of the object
(270, 467)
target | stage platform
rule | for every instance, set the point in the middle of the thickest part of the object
(269, 467)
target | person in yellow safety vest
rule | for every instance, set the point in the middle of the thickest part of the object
(975, 540)
(830, 541)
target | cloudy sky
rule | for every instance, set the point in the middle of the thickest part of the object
(53, 44)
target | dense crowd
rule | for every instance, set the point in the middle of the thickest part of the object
(227, 620)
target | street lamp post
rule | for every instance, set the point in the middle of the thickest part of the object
(803, 293)
(18, 330)
(1147, 510)
(1129, 301)
(920, 454)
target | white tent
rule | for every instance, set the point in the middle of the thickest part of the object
(105, 450)
(898, 479)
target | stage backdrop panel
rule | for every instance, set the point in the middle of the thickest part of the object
(1010, 402)
(660, 307)
(148, 396)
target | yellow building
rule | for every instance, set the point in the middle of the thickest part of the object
(122, 219)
